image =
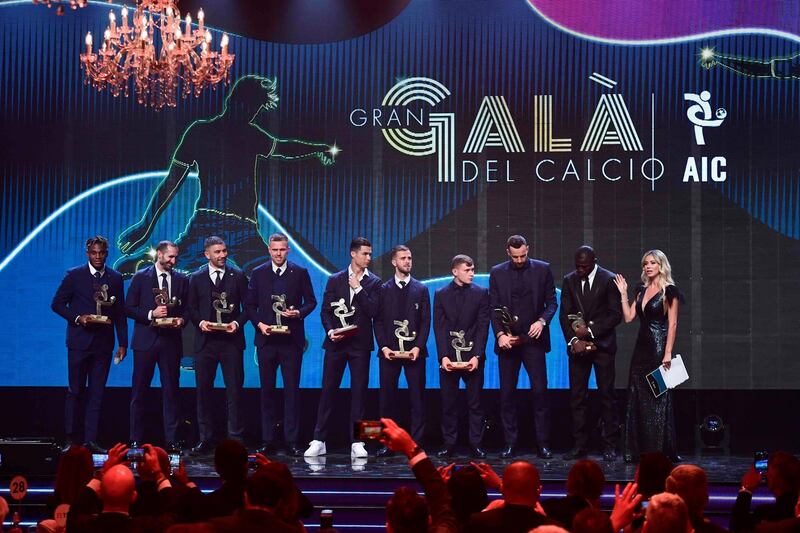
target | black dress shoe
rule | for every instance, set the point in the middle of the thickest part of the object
(203, 447)
(610, 454)
(293, 450)
(266, 448)
(545, 453)
(575, 454)
(507, 452)
(93, 447)
(384, 452)
(445, 452)
(477, 452)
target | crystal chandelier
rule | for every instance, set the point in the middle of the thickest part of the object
(73, 4)
(156, 55)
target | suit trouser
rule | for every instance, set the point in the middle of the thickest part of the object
(166, 354)
(415, 376)
(448, 383)
(289, 357)
(332, 372)
(231, 359)
(580, 366)
(509, 363)
(91, 364)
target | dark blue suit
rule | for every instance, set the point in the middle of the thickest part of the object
(281, 350)
(155, 346)
(411, 303)
(461, 308)
(353, 351)
(530, 293)
(89, 348)
(218, 347)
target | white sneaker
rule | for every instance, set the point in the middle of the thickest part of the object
(357, 450)
(315, 448)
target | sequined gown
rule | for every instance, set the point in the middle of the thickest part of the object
(649, 421)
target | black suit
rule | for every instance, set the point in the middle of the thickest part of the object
(89, 347)
(218, 347)
(528, 292)
(252, 521)
(152, 345)
(353, 351)
(461, 308)
(601, 308)
(411, 303)
(507, 519)
(278, 349)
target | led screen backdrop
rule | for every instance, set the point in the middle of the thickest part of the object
(459, 123)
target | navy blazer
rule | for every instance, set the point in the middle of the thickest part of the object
(417, 311)
(366, 307)
(200, 305)
(296, 285)
(140, 301)
(543, 298)
(470, 315)
(75, 297)
(602, 306)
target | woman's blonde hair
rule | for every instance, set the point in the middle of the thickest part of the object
(664, 278)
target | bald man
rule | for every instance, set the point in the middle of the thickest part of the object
(690, 482)
(666, 513)
(521, 488)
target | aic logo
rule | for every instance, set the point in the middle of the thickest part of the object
(700, 116)
(410, 127)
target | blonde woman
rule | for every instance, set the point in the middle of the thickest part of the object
(649, 421)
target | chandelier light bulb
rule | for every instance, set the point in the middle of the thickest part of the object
(200, 15)
(178, 34)
(89, 38)
(169, 12)
(124, 12)
(112, 17)
(208, 37)
(107, 35)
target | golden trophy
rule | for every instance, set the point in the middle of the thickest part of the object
(460, 345)
(403, 336)
(343, 312)
(221, 306)
(509, 321)
(162, 298)
(101, 299)
(279, 306)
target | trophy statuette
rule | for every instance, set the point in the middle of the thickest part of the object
(161, 297)
(508, 321)
(460, 345)
(101, 299)
(279, 306)
(581, 329)
(221, 306)
(403, 336)
(343, 312)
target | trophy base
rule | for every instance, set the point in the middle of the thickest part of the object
(217, 326)
(515, 341)
(166, 322)
(347, 331)
(459, 365)
(402, 355)
(280, 330)
(98, 319)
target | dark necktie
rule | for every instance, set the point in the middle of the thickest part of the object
(164, 284)
(219, 278)
(279, 272)
(98, 275)
(402, 284)
(585, 288)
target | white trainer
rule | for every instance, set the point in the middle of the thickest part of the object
(357, 450)
(315, 449)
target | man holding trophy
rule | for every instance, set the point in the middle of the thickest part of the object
(461, 325)
(90, 299)
(216, 293)
(279, 298)
(156, 301)
(348, 306)
(590, 311)
(523, 300)
(402, 325)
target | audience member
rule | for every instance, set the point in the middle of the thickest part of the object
(549, 529)
(294, 505)
(75, 470)
(3, 511)
(691, 484)
(262, 496)
(585, 483)
(230, 462)
(666, 513)
(521, 489)
(652, 472)
(591, 520)
(468, 492)
(783, 481)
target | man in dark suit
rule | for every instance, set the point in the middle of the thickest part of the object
(590, 291)
(157, 338)
(263, 493)
(90, 342)
(521, 490)
(404, 313)
(284, 279)
(218, 346)
(525, 287)
(461, 307)
(357, 290)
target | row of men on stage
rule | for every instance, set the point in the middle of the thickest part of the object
(357, 309)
